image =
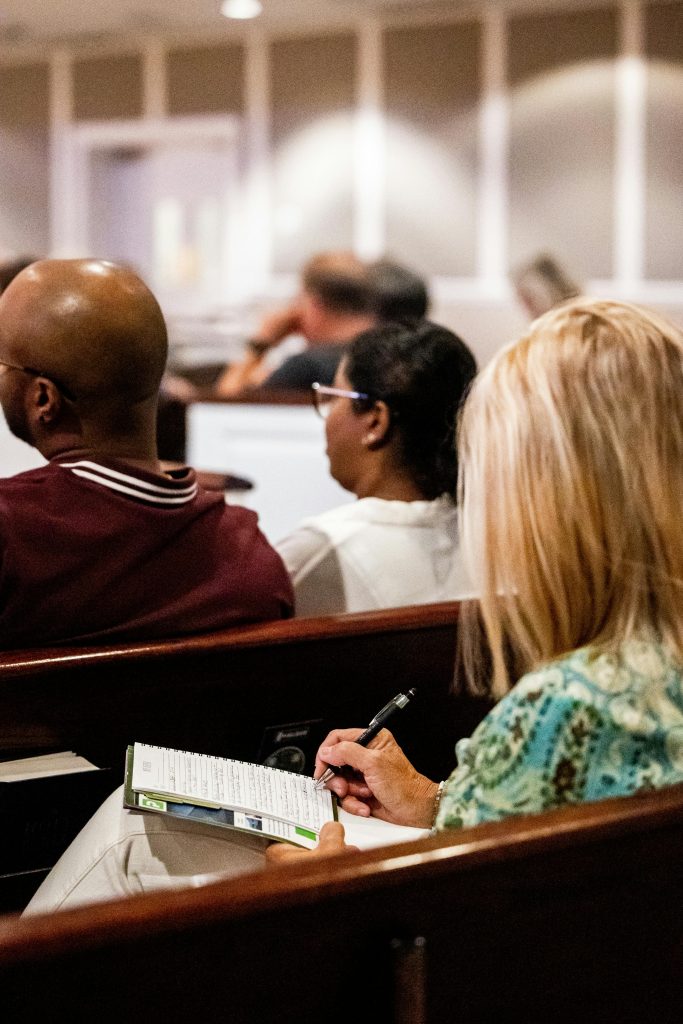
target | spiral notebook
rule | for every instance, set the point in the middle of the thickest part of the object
(252, 798)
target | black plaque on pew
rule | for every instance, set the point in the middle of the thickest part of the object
(292, 747)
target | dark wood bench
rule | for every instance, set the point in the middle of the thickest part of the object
(244, 693)
(570, 916)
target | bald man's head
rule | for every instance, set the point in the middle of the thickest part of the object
(93, 325)
(92, 328)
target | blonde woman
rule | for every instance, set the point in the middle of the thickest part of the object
(571, 458)
(571, 449)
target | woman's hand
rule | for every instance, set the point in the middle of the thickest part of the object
(331, 841)
(383, 784)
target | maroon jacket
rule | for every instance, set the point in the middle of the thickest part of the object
(93, 551)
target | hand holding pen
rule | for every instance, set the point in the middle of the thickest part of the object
(378, 722)
(385, 784)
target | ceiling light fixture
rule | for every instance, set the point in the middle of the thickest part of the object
(241, 9)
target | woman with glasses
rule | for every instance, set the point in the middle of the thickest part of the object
(390, 430)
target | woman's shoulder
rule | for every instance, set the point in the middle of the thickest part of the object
(592, 724)
(332, 520)
(436, 512)
(317, 535)
(609, 671)
(636, 688)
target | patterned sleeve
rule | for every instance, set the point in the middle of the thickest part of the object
(532, 752)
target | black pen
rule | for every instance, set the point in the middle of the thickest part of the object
(377, 723)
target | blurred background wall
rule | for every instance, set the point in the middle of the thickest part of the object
(459, 138)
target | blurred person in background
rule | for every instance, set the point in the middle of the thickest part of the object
(543, 284)
(332, 307)
(398, 293)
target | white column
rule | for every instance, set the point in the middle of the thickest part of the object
(65, 215)
(154, 80)
(630, 185)
(369, 229)
(494, 130)
(256, 226)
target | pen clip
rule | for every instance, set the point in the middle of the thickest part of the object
(394, 702)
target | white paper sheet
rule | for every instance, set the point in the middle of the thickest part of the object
(44, 765)
(218, 781)
(367, 833)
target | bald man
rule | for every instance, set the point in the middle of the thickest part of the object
(100, 543)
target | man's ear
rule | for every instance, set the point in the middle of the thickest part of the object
(43, 400)
(378, 426)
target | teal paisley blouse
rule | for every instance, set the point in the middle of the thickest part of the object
(583, 728)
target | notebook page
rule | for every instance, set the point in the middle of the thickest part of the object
(233, 784)
(367, 833)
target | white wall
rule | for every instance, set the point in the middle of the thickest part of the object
(23, 192)
(280, 448)
(563, 135)
(15, 456)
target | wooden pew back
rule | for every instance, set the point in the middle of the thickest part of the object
(569, 916)
(228, 694)
(217, 693)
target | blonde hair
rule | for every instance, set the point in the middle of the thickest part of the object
(571, 485)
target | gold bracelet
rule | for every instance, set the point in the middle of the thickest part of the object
(437, 803)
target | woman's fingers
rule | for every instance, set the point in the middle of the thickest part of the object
(354, 806)
(331, 841)
(330, 741)
(331, 838)
(347, 754)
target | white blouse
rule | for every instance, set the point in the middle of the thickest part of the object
(376, 554)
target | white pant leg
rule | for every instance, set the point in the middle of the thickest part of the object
(122, 853)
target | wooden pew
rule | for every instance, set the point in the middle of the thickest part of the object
(569, 916)
(229, 694)
(216, 692)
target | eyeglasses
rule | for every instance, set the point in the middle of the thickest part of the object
(39, 373)
(322, 398)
